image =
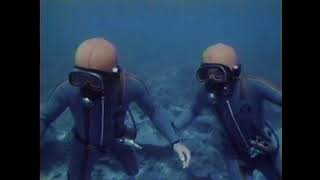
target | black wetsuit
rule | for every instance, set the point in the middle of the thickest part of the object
(98, 126)
(246, 108)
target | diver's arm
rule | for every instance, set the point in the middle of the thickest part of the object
(51, 109)
(161, 119)
(187, 117)
(269, 92)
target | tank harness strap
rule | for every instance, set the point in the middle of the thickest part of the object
(124, 94)
(266, 82)
(243, 88)
(123, 86)
(140, 81)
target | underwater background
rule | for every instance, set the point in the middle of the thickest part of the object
(160, 41)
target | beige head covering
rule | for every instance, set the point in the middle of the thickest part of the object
(97, 54)
(221, 54)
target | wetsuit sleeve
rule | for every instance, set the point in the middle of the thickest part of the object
(55, 105)
(161, 119)
(269, 92)
(188, 116)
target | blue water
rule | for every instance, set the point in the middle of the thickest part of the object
(162, 40)
(154, 36)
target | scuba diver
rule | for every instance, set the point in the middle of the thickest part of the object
(237, 101)
(98, 93)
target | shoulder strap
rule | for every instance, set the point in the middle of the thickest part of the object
(138, 80)
(262, 80)
(123, 77)
(123, 95)
(123, 87)
(243, 88)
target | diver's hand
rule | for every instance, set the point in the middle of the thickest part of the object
(183, 153)
(263, 146)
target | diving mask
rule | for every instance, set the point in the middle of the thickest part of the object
(218, 73)
(93, 79)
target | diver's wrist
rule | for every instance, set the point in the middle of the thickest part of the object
(175, 142)
(173, 125)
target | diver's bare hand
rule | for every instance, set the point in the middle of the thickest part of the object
(264, 146)
(183, 153)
